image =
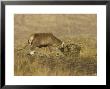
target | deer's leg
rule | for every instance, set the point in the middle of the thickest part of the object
(32, 50)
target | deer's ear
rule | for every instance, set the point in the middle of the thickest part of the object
(62, 44)
(29, 42)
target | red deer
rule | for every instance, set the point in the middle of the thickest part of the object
(44, 40)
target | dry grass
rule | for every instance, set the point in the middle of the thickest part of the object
(72, 29)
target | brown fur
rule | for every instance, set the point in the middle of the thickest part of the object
(43, 40)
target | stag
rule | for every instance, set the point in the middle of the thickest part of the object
(44, 40)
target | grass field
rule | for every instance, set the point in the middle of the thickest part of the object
(72, 29)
